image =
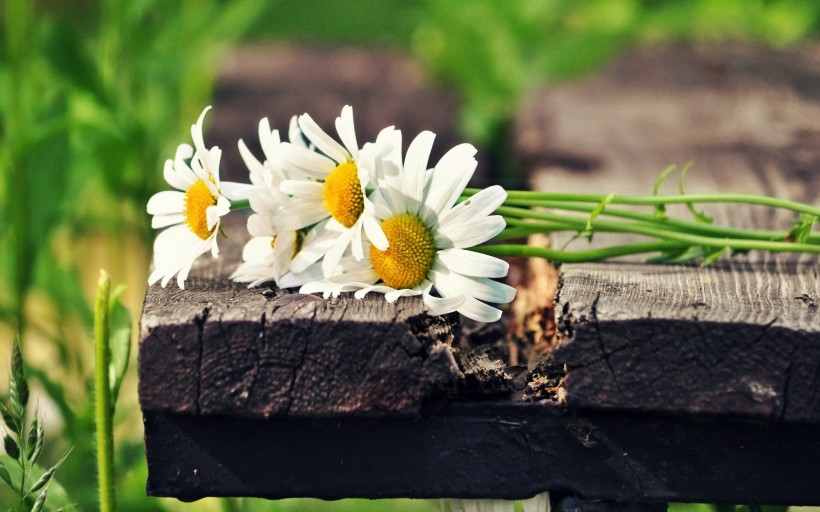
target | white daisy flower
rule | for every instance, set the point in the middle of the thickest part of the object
(429, 236)
(268, 254)
(330, 193)
(193, 211)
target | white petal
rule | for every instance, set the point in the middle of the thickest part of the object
(451, 282)
(393, 295)
(261, 225)
(196, 130)
(255, 167)
(448, 180)
(478, 311)
(175, 250)
(322, 140)
(356, 241)
(257, 249)
(347, 132)
(471, 234)
(166, 202)
(360, 294)
(415, 167)
(235, 191)
(161, 221)
(334, 254)
(441, 305)
(299, 214)
(263, 202)
(302, 188)
(481, 204)
(374, 232)
(178, 180)
(471, 263)
(312, 251)
(268, 139)
(295, 134)
(303, 161)
(212, 216)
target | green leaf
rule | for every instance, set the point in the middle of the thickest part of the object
(10, 445)
(597, 211)
(682, 255)
(802, 228)
(4, 475)
(699, 216)
(119, 341)
(57, 496)
(713, 256)
(660, 209)
(68, 57)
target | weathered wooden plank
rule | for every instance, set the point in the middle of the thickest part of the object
(219, 348)
(741, 337)
(486, 449)
(731, 339)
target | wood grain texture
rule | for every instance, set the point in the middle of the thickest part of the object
(729, 339)
(219, 348)
(742, 336)
(486, 449)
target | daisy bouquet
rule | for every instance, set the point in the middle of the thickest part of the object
(333, 216)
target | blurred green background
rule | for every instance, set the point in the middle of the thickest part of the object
(94, 96)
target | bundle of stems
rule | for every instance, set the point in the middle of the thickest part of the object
(672, 240)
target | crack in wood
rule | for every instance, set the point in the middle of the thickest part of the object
(199, 321)
(593, 311)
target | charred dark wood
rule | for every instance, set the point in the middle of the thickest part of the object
(486, 449)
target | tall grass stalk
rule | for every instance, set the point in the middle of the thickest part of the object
(103, 406)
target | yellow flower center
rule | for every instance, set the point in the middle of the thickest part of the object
(342, 194)
(198, 198)
(410, 255)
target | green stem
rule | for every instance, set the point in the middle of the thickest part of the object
(102, 408)
(522, 231)
(667, 223)
(230, 504)
(18, 18)
(240, 204)
(535, 197)
(576, 256)
(655, 232)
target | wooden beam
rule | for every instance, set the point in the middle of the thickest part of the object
(741, 339)
(219, 348)
(486, 449)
